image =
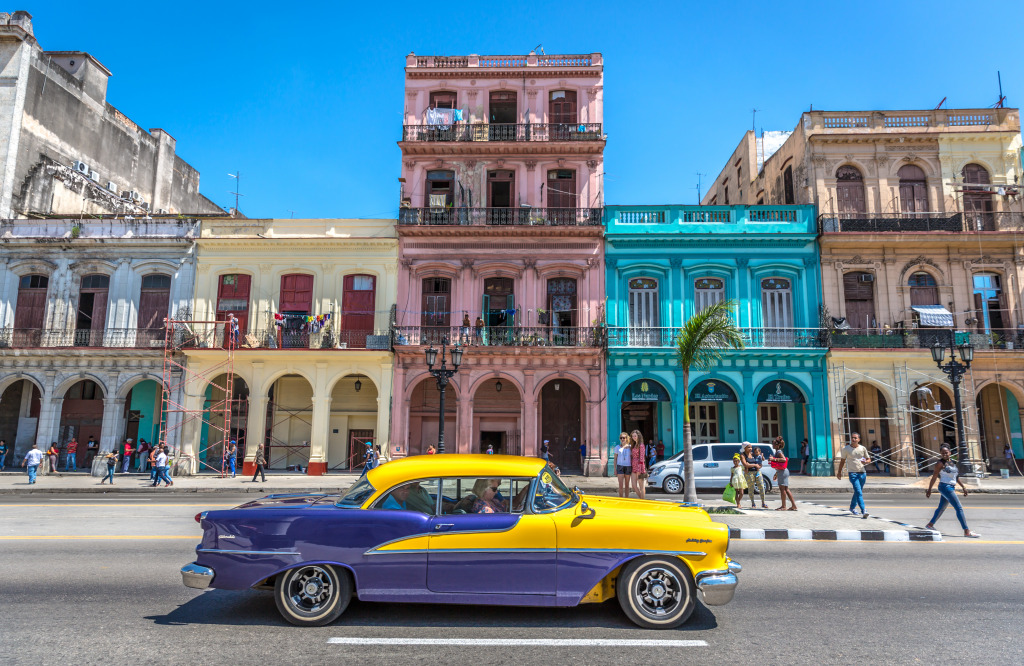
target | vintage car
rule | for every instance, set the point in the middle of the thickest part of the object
(467, 529)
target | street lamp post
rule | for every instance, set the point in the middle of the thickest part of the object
(443, 375)
(955, 370)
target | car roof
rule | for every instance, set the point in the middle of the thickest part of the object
(453, 464)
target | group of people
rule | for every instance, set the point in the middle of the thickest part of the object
(746, 474)
(631, 464)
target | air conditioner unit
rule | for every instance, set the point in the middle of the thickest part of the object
(130, 194)
(866, 277)
(95, 175)
(162, 211)
(81, 167)
(144, 205)
(112, 186)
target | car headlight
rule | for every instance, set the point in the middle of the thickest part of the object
(657, 469)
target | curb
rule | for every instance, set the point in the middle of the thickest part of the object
(910, 533)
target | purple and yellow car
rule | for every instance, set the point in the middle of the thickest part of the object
(467, 529)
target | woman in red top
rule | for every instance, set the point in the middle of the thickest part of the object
(638, 477)
(52, 454)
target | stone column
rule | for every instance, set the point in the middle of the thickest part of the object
(464, 422)
(110, 433)
(318, 439)
(255, 430)
(383, 430)
(184, 434)
(904, 462)
(47, 428)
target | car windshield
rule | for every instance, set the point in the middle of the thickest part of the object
(356, 495)
(551, 493)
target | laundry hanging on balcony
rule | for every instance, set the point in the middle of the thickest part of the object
(443, 118)
(934, 315)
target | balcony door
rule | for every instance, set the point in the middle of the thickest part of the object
(358, 302)
(562, 114)
(30, 311)
(502, 115)
(859, 292)
(707, 292)
(439, 196)
(977, 198)
(562, 310)
(436, 309)
(913, 189)
(295, 304)
(499, 309)
(501, 196)
(233, 299)
(777, 311)
(154, 301)
(850, 192)
(92, 310)
(562, 196)
(643, 312)
(923, 289)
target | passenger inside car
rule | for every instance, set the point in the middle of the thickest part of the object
(411, 497)
(486, 491)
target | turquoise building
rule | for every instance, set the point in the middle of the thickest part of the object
(666, 262)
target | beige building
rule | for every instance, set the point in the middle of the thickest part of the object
(312, 363)
(921, 230)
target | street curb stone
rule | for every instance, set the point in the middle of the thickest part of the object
(909, 533)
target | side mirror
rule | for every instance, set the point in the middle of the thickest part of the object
(577, 490)
(586, 512)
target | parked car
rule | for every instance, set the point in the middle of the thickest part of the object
(712, 467)
(467, 529)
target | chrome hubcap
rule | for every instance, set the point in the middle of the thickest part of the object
(310, 589)
(658, 592)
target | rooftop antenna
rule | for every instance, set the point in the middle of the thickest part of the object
(238, 186)
(939, 105)
(999, 76)
(539, 47)
(699, 174)
(292, 215)
(753, 122)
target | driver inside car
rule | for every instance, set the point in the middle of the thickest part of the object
(411, 497)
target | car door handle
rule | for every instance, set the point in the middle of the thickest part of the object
(439, 527)
(711, 464)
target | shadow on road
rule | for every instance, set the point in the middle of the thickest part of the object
(252, 608)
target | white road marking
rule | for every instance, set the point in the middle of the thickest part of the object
(106, 499)
(547, 642)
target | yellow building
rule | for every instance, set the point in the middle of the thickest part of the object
(312, 361)
(921, 223)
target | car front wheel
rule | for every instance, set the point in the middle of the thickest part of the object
(767, 484)
(656, 592)
(312, 595)
(673, 485)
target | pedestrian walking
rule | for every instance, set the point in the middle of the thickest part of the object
(752, 473)
(232, 456)
(143, 455)
(638, 475)
(780, 463)
(151, 460)
(660, 449)
(161, 468)
(127, 456)
(1011, 463)
(53, 455)
(855, 459)
(31, 463)
(71, 458)
(431, 450)
(3, 454)
(490, 450)
(623, 464)
(948, 476)
(260, 462)
(111, 459)
(805, 456)
(876, 456)
(652, 455)
(737, 478)
(583, 453)
(92, 449)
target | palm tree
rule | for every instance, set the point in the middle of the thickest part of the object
(699, 347)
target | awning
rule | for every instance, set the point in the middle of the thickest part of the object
(934, 315)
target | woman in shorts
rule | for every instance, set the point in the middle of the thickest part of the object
(623, 464)
(780, 463)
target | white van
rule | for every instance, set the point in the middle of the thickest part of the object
(712, 467)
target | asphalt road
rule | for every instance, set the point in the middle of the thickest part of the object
(96, 582)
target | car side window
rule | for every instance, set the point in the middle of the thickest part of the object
(724, 451)
(418, 496)
(467, 495)
(700, 452)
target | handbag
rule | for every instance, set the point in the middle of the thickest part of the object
(730, 494)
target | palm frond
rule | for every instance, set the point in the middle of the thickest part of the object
(702, 338)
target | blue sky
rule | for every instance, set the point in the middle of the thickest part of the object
(307, 101)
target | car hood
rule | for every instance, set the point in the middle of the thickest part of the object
(290, 501)
(630, 505)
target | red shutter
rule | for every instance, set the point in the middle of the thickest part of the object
(296, 293)
(31, 308)
(358, 309)
(153, 308)
(233, 296)
(99, 310)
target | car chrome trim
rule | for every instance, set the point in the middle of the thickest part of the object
(631, 551)
(195, 576)
(246, 552)
(375, 549)
(718, 589)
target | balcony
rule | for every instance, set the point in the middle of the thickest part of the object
(728, 220)
(204, 335)
(918, 222)
(902, 121)
(501, 336)
(503, 132)
(753, 338)
(474, 61)
(48, 338)
(501, 217)
(926, 338)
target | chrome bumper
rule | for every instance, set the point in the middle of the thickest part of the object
(718, 587)
(193, 575)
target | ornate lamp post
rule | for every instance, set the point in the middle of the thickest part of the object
(443, 374)
(955, 370)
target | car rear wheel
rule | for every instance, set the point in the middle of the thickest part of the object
(767, 484)
(673, 485)
(656, 592)
(312, 595)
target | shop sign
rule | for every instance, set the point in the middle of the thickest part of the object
(780, 391)
(712, 390)
(645, 390)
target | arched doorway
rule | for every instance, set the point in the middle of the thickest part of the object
(933, 422)
(81, 416)
(19, 417)
(867, 413)
(497, 417)
(223, 420)
(781, 411)
(142, 414)
(425, 420)
(713, 404)
(352, 423)
(646, 406)
(999, 422)
(561, 419)
(289, 423)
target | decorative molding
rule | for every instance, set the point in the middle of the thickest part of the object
(470, 164)
(409, 164)
(266, 268)
(810, 262)
(611, 262)
(917, 261)
(531, 165)
(592, 164)
(675, 262)
(742, 262)
(987, 259)
(857, 259)
(561, 162)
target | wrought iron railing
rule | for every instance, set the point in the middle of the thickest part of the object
(279, 338)
(131, 338)
(503, 132)
(903, 222)
(757, 338)
(501, 336)
(519, 217)
(925, 338)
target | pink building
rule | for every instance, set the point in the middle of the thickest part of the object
(500, 249)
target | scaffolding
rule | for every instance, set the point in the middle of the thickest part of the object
(916, 410)
(180, 383)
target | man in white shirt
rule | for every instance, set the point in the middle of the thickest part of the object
(32, 460)
(855, 457)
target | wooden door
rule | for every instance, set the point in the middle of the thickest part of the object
(92, 310)
(769, 426)
(502, 115)
(501, 196)
(561, 422)
(154, 301)
(233, 298)
(923, 289)
(850, 192)
(860, 301)
(977, 198)
(562, 196)
(30, 312)
(561, 115)
(296, 299)
(913, 189)
(357, 314)
(435, 317)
